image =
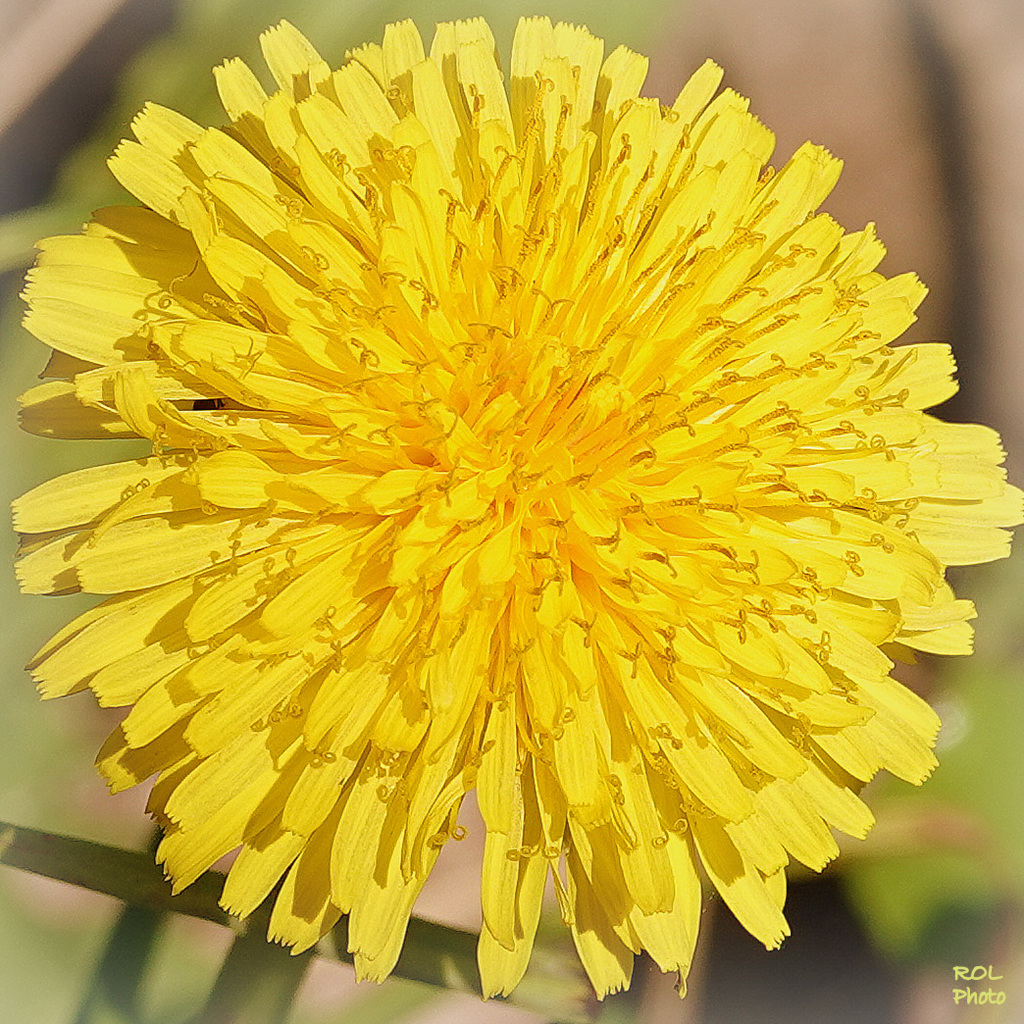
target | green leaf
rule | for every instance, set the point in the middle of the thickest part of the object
(435, 954)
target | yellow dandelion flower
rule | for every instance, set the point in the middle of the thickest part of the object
(527, 437)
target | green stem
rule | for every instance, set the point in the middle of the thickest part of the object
(437, 955)
(128, 875)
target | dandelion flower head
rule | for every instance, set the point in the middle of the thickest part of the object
(512, 434)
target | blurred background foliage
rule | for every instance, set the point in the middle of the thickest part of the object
(924, 99)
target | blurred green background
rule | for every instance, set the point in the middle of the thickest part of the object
(924, 100)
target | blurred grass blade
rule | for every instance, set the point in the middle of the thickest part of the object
(440, 956)
(396, 1001)
(258, 980)
(117, 981)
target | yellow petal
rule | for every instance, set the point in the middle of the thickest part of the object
(240, 91)
(292, 59)
(256, 870)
